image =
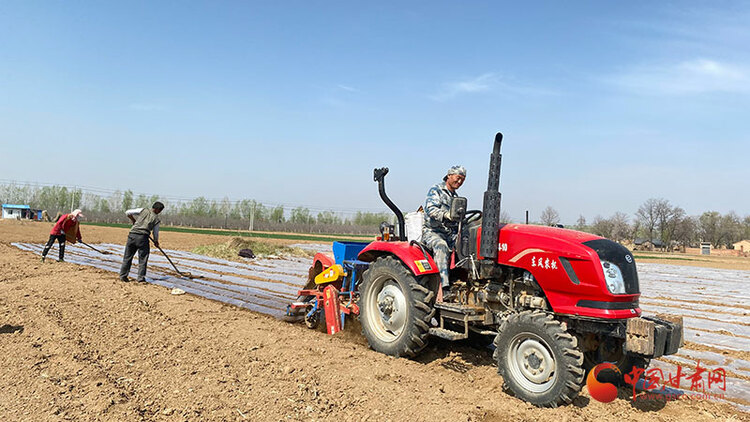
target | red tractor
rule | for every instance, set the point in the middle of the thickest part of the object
(554, 302)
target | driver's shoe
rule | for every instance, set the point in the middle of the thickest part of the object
(449, 296)
(450, 293)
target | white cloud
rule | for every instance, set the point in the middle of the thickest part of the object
(347, 88)
(480, 83)
(688, 77)
(712, 68)
(487, 82)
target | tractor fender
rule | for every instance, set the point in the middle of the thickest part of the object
(416, 261)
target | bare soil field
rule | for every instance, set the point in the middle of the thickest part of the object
(78, 344)
(718, 259)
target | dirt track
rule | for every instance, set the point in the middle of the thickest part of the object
(78, 344)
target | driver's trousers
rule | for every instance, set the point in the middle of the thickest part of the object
(441, 246)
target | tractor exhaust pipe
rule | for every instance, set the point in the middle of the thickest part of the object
(379, 176)
(491, 207)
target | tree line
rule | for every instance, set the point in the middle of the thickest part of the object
(661, 223)
(655, 220)
(198, 212)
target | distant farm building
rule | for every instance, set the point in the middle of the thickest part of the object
(648, 245)
(20, 212)
(743, 246)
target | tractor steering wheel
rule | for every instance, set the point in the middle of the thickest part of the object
(472, 216)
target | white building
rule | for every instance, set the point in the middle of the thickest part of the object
(17, 211)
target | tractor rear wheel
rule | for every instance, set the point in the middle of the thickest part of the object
(395, 308)
(538, 359)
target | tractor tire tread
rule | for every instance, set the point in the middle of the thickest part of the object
(423, 306)
(571, 378)
(420, 300)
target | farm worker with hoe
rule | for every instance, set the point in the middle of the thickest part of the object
(66, 228)
(144, 221)
(440, 228)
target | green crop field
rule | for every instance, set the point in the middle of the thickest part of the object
(663, 257)
(235, 233)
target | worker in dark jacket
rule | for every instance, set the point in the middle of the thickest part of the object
(440, 228)
(66, 226)
(145, 221)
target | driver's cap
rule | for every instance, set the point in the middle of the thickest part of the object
(460, 170)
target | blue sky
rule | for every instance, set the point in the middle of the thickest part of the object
(603, 104)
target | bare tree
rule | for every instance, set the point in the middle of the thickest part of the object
(647, 215)
(550, 217)
(505, 217)
(709, 227)
(668, 224)
(616, 227)
(730, 228)
(581, 223)
(636, 227)
(602, 226)
(686, 231)
(621, 229)
(666, 218)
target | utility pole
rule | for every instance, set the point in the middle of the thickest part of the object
(252, 217)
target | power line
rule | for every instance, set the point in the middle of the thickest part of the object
(98, 191)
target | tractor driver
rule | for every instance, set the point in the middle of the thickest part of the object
(440, 228)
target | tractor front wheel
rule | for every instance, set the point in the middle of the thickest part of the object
(538, 359)
(395, 308)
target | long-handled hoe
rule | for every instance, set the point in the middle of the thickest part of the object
(182, 273)
(100, 251)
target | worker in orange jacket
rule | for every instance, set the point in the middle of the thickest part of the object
(67, 227)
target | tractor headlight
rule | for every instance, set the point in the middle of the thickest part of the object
(613, 278)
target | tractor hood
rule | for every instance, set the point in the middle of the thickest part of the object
(581, 274)
(563, 235)
(515, 239)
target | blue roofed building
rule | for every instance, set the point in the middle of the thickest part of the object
(20, 212)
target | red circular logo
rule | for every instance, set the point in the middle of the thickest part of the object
(602, 391)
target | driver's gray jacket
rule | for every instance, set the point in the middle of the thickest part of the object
(436, 210)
